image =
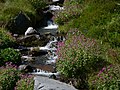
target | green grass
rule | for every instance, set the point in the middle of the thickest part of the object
(11, 8)
(6, 40)
(98, 19)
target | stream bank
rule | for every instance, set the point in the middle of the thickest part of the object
(38, 49)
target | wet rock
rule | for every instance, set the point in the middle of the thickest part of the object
(47, 16)
(58, 2)
(35, 51)
(22, 48)
(52, 28)
(53, 76)
(39, 18)
(54, 8)
(39, 53)
(30, 31)
(19, 24)
(28, 59)
(48, 68)
(32, 40)
(55, 0)
(25, 68)
(15, 35)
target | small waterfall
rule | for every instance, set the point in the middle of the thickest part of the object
(51, 56)
(43, 59)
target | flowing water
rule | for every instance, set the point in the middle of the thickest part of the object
(42, 59)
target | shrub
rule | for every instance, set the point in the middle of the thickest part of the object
(108, 78)
(9, 55)
(6, 40)
(72, 10)
(38, 3)
(12, 79)
(9, 75)
(25, 83)
(75, 57)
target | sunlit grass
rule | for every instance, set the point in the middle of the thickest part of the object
(9, 9)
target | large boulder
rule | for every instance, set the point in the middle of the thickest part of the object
(19, 24)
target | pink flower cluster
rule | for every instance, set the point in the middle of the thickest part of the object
(103, 74)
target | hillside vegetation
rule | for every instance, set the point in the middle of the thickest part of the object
(10, 77)
(11, 8)
(97, 19)
(90, 56)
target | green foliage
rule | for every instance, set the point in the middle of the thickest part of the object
(9, 75)
(78, 57)
(38, 3)
(25, 83)
(108, 78)
(72, 10)
(98, 19)
(12, 79)
(9, 13)
(6, 40)
(9, 55)
(10, 8)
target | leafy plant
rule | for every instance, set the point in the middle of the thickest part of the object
(38, 3)
(98, 19)
(9, 55)
(72, 10)
(25, 83)
(6, 40)
(9, 75)
(108, 78)
(75, 57)
(12, 79)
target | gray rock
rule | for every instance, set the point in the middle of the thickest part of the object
(29, 40)
(30, 31)
(28, 58)
(57, 2)
(19, 24)
(22, 67)
(44, 83)
(25, 68)
(55, 7)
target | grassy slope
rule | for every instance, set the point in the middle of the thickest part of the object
(100, 20)
(10, 8)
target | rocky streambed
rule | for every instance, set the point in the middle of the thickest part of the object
(38, 49)
(38, 46)
(41, 60)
